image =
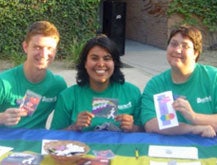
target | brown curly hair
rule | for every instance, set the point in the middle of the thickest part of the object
(193, 33)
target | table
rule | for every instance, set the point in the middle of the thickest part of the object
(122, 144)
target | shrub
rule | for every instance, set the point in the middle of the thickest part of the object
(75, 19)
(196, 12)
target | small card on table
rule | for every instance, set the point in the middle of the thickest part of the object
(106, 154)
(22, 158)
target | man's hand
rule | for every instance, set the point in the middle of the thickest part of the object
(11, 116)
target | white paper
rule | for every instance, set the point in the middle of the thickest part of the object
(4, 150)
(173, 152)
(43, 152)
(166, 115)
(176, 163)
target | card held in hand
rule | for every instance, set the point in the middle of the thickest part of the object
(105, 107)
(30, 102)
(166, 115)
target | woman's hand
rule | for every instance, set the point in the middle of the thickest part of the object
(126, 122)
(204, 130)
(83, 120)
(183, 106)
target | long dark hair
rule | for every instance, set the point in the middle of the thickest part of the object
(103, 41)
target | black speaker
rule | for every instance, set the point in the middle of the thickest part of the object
(114, 22)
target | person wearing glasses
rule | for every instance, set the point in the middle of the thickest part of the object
(193, 86)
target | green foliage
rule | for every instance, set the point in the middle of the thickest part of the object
(17, 58)
(75, 19)
(195, 11)
(76, 49)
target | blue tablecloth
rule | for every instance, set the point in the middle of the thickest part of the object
(122, 144)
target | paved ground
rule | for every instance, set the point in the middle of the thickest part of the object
(142, 62)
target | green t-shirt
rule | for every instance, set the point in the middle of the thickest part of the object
(200, 90)
(13, 86)
(76, 99)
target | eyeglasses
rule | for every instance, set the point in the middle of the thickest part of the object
(184, 46)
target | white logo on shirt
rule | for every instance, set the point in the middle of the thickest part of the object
(204, 100)
(49, 100)
(125, 106)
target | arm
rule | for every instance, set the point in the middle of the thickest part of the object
(203, 130)
(130, 121)
(62, 115)
(83, 120)
(11, 116)
(204, 119)
(127, 123)
(184, 107)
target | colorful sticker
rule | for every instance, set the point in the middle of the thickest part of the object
(106, 154)
(166, 115)
(22, 158)
(105, 107)
(30, 102)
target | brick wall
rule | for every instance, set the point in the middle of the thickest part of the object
(209, 38)
(147, 22)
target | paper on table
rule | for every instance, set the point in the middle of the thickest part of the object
(22, 158)
(173, 152)
(4, 150)
(176, 163)
(43, 152)
(166, 115)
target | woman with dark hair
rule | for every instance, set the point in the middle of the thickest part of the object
(101, 99)
(104, 42)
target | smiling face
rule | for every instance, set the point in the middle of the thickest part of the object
(100, 66)
(40, 50)
(180, 53)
